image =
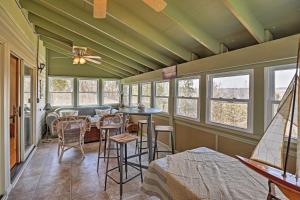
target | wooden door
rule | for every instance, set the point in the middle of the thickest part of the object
(14, 109)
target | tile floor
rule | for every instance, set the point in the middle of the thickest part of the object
(74, 178)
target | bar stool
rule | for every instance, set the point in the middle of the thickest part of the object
(141, 124)
(164, 129)
(122, 140)
(109, 124)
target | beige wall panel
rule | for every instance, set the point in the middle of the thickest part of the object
(233, 147)
(190, 138)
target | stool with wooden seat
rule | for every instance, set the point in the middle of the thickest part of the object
(122, 140)
(163, 129)
(109, 124)
(141, 124)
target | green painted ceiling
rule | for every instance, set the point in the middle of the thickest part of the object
(135, 39)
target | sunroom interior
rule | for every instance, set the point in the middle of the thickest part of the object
(149, 99)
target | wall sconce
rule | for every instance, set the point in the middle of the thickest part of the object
(41, 67)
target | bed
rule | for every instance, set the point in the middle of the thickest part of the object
(203, 174)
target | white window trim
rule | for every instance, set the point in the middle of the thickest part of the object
(269, 75)
(167, 97)
(209, 78)
(141, 92)
(102, 96)
(49, 92)
(130, 98)
(198, 98)
(127, 95)
(78, 103)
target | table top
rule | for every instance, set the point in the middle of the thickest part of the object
(136, 111)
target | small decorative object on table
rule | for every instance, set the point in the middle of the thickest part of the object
(141, 107)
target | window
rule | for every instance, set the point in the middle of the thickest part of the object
(61, 91)
(111, 92)
(187, 97)
(230, 100)
(87, 92)
(278, 80)
(134, 100)
(126, 95)
(146, 94)
(162, 95)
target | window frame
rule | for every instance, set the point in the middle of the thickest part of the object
(209, 98)
(270, 90)
(198, 98)
(78, 92)
(167, 97)
(138, 98)
(102, 94)
(141, 92)
(73, 91)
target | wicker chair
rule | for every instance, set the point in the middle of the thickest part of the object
(70, 135)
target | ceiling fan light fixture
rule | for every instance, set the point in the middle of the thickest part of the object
(82, 61)
(76, 60)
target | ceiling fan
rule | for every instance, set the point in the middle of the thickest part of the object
(100, 7)
(81, 56)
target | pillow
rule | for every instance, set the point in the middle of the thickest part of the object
(67, 113)
(101, 112)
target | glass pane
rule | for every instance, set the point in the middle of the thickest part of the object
(227, 113)
(61, 85)
(88, 85)
(282, 81)
(134, 101)
(111, 98)
(162, 103)
(231, 87)
(188, 88)
(135, 89)
(61, 99)
(146, 101)
(126, 100)
(111, 86)
(27, 106)
(88, 99)
(162, 89)
(146, 89)
(126, 89)
(274, 109)
(187, 107)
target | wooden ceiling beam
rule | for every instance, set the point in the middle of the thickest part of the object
(108, 29)
(68, 48)
(240, 10)
(126, 17)
(192, 29)
(80, 41)
(87, 32)
(108, 73)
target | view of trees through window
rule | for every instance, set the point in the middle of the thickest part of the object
(88, 92)
(229, 100)
(162, 96)
(146, 94)
(134, 95)
(187, 100)
(126, 95)
(111, 92)
(61, 91)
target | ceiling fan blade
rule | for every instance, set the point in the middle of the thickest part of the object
(100, 7)
(93, 61)
(157, 5)
(93, 57)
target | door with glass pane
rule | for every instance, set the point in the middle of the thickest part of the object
(27, 108)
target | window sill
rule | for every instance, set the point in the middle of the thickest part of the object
(248, 131)
(187, 119)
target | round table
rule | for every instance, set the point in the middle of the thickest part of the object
(145, 112)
